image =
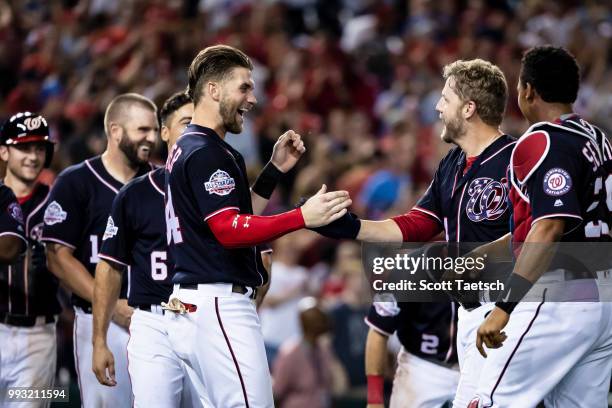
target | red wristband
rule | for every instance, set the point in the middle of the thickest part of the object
(375, 389)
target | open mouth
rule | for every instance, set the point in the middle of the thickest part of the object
(242, 111)
(146, 149)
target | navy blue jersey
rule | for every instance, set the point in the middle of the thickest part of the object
(563, 170)
(78, 209)
(427, 330)
(472, 207)
(135, 237)
(205, 176)
(11, 216)
(27, 286)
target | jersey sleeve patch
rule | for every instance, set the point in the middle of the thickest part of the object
(110, 230)
(54, 214)
(557, 182)
(529, 153)
(386, 305)
(220, 183)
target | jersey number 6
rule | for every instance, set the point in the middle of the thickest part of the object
(159, 269)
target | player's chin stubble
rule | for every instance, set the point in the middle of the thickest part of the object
(228, 115)
(453, 130)
(130, 149)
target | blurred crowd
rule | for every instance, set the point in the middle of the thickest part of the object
(358, 79)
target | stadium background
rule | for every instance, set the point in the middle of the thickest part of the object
(357, 79)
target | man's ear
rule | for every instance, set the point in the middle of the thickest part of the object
(164, 134)
(214, 90)
(115, 132)
(469, 109)
(4, 153)
(530, 92)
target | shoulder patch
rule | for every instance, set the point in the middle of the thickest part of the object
(557, 182)
(110, 230)
(529, 152)
(220, 183)
(386, 305)
(14, 210)
(54, 214)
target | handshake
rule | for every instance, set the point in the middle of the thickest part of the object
(327, 214)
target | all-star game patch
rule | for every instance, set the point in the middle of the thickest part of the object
(220, 183)
(54, 214)
(557, 182)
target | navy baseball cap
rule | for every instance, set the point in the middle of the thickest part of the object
(27, 127)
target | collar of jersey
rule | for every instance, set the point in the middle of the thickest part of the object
(205, 131)
(98, 167)
(193, 128)
(493, 148)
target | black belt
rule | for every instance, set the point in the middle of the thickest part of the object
(152, 308)
(23, 321)
(236, 288)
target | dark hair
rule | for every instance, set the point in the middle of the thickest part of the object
(214, 64)
(171, 105)
(553, 72)
(482, 82)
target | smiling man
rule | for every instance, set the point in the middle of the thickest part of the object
(213, 228)
(471, 108)
(28, 302)
(75, 221)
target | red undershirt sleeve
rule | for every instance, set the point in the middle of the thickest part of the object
(416, 226)
(235, 230)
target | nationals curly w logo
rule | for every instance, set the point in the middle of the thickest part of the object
(487, 199)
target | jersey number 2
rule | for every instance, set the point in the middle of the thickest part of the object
(429, 343)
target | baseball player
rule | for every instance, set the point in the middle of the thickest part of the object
(29, 303)
(213, 226)
(466, 200)
(427, 332)
(561, 173)
(135, 237)
(75, 221)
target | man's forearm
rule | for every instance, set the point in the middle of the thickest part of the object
(533, 260)
(376, 356)
(376, 353)
(537, 250)
(10, 248)
(70, 271)
(498, 250)
(258, 202)
(106, 293)
(379, 231)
